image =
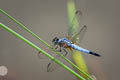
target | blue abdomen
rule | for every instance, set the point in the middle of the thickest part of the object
(79, 48)
(76, 47)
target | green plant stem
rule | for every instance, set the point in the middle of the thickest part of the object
(42, 51)
(36, 36)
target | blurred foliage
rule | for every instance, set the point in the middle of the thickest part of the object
(72, 30)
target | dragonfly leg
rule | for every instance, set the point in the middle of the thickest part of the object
(56, 47)
(66, 52)
(60, 49)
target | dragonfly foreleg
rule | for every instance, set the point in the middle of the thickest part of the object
(66, 52)
(56, 46)
(60, 49)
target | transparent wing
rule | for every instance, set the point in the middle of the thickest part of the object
(41, 56)
(73, 34)
(74, 23)
(77, 38)
(52, 65)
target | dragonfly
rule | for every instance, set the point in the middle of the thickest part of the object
(71, 43)
(64, 43)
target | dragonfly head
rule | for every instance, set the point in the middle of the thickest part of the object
(55, 40)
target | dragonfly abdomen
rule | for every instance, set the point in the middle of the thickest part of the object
(84, 50)
(79, 48)
(69, 44)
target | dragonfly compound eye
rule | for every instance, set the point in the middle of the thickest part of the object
(55, 40)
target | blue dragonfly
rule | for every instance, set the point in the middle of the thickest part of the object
(64, 43)
(70, 42)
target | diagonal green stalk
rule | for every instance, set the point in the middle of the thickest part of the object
(36, 36)
(42, 51)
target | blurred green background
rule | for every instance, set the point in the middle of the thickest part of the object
(48, 18)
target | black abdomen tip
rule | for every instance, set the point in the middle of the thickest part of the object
(95, 54)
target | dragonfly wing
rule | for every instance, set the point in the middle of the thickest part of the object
(74, 22)
(52, 65)
(77, 38)
(41, 56)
